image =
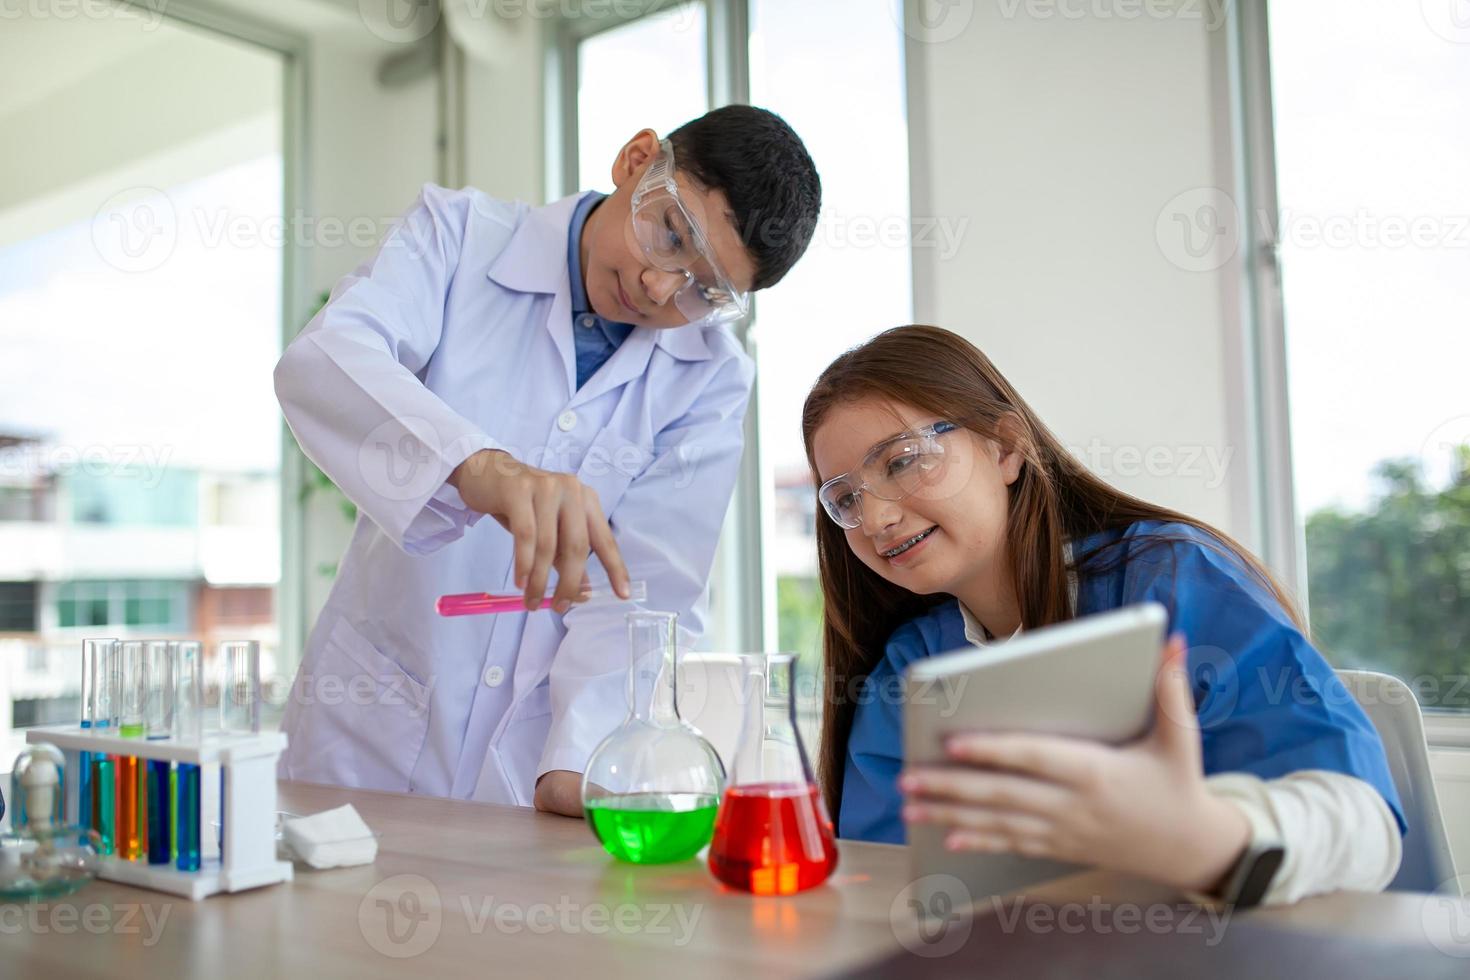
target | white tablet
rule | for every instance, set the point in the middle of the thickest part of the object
(1088, 678)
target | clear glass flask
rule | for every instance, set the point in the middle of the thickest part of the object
(773, 835)
(652, 787)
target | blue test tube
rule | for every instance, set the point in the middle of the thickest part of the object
(158, 714)
(188, 729)
(90, 654)
(105, 680)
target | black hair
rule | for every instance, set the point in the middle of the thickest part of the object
(762, 166)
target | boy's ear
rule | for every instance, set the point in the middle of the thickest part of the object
(634, 156)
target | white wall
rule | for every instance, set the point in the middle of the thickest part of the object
(1055, 141)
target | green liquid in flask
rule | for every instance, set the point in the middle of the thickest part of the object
(653, 828)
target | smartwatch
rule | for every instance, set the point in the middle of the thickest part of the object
(1247, 882)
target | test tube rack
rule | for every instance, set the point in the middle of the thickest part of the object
(248, 762)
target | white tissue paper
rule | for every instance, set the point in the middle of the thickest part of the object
(331, 839)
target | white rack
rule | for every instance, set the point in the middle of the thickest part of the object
(249, 807)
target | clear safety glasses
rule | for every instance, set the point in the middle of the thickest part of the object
(674, 242)
(891, 470)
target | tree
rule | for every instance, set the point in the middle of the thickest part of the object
(1390, 587)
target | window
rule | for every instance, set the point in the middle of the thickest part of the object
(655, 71)
(17, 607)
(141, 283)
(650, 72)
(145, 604)
(1370, 104)
(800, 53)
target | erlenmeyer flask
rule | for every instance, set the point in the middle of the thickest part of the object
(772, 835)
(652, 787)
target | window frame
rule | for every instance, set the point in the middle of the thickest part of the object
(1263, 369)
(742, 599)
(296, 303)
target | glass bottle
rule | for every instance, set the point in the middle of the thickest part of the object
(652, 787)
(773, 835)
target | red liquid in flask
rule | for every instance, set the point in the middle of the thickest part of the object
(773, 839)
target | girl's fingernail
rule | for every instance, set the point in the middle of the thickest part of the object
(908, 782)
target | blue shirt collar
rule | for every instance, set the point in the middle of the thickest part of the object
(574, 251)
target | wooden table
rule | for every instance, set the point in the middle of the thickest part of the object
(464, 888)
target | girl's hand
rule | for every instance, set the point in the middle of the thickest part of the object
(1140, 808)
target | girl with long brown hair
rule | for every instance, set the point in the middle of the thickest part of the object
(949, 515)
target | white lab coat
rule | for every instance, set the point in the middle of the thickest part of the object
(455, 337)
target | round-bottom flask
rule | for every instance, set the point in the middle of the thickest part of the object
(652, 787)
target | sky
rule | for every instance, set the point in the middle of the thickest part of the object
(171, 355)
(1372, 121)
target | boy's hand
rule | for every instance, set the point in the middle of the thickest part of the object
(556, 521)
(560, 791)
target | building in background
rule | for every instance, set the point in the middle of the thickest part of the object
(97, 548)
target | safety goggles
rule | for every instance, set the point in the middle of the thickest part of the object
(673, 241)
(891, 470)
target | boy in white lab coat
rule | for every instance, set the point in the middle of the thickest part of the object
(570, 371)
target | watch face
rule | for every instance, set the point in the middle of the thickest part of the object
(1258, 868)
